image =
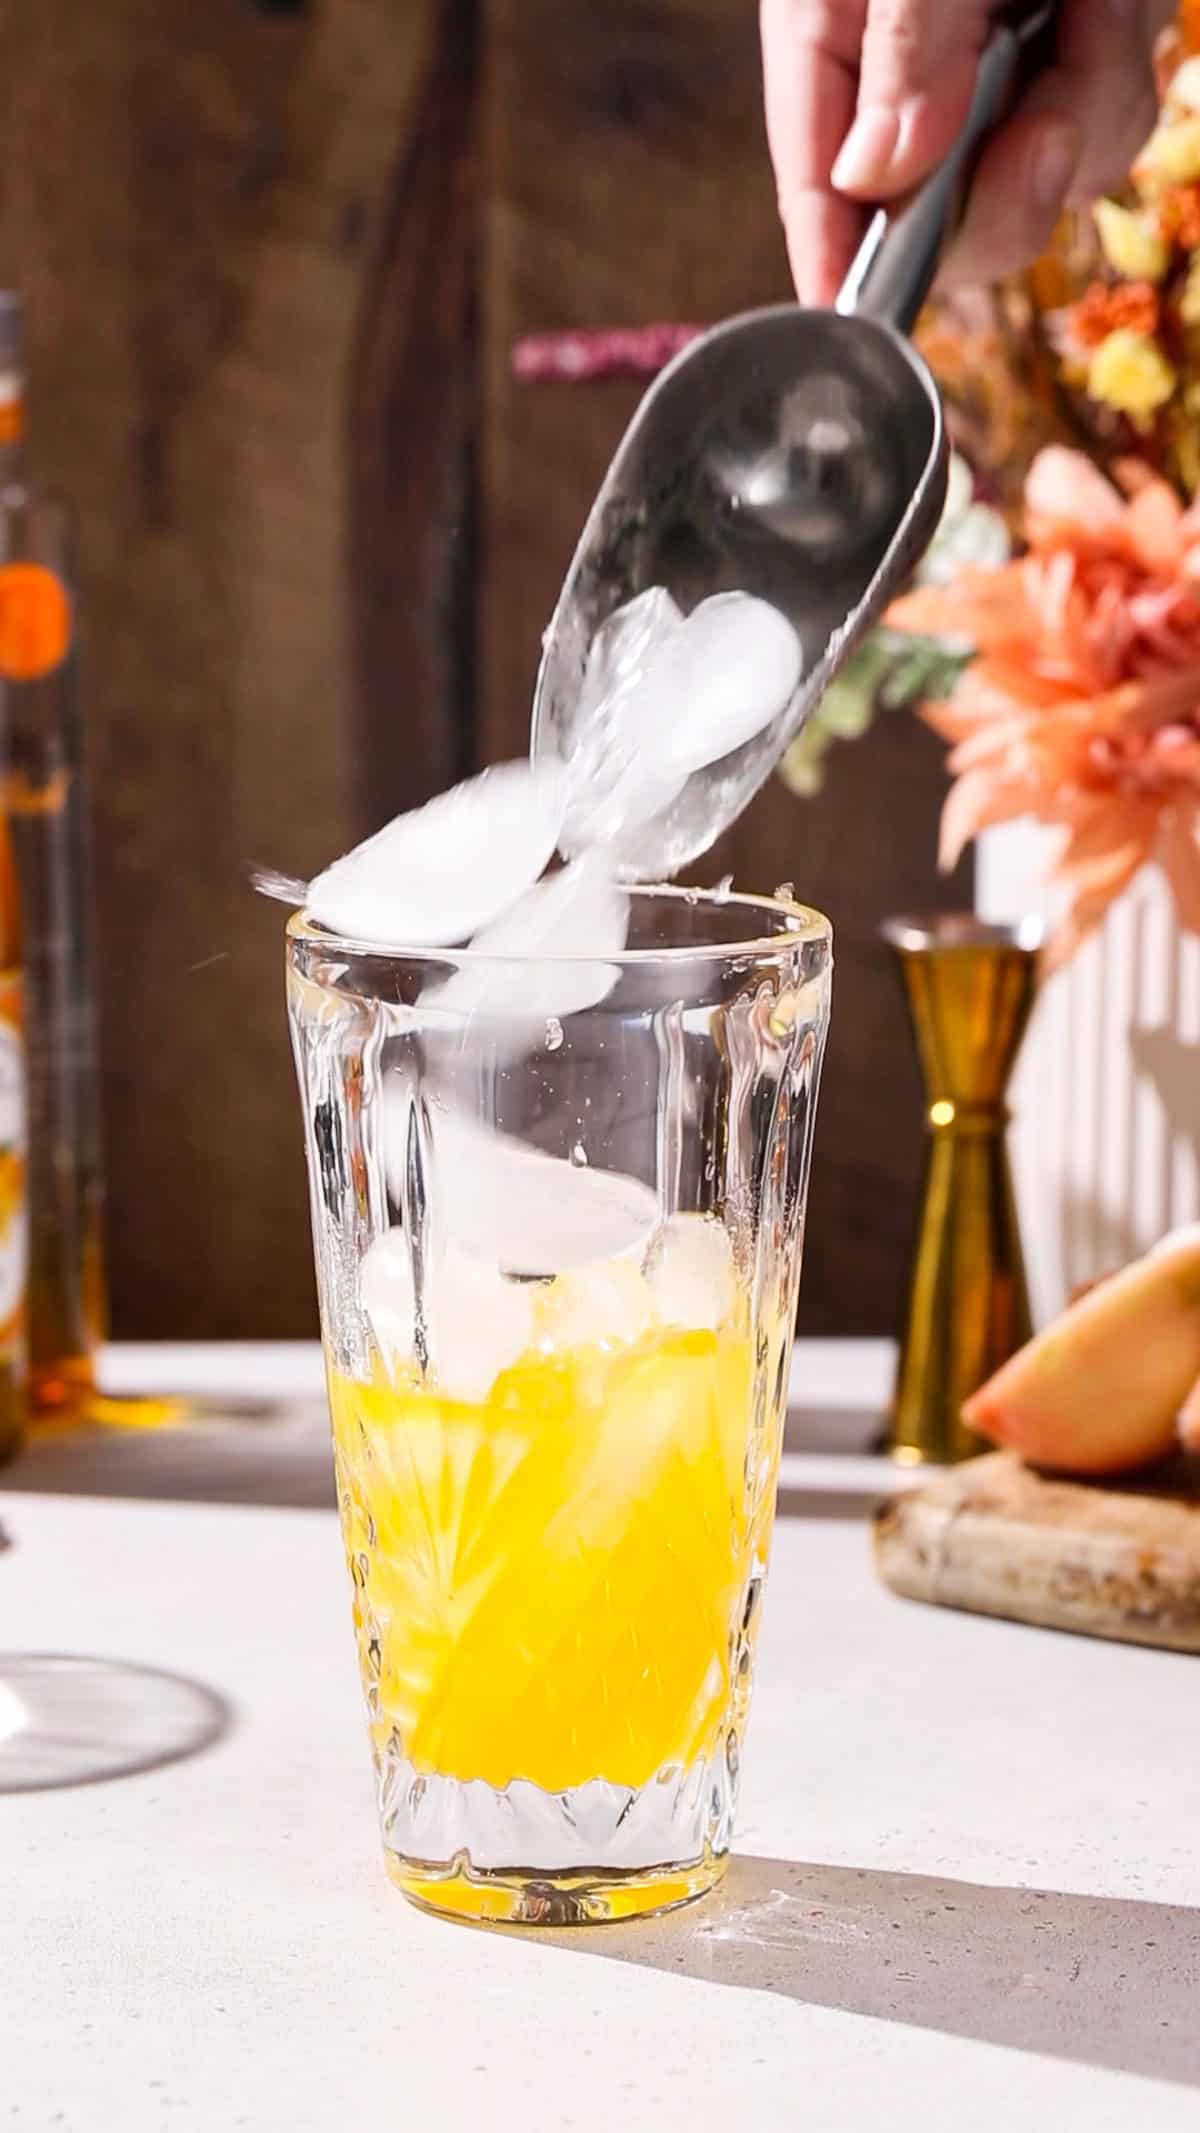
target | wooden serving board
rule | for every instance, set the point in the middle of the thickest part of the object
(996, 1538)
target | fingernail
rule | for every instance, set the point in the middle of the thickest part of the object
(1055, 162)
(867, 149)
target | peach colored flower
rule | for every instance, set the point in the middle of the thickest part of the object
(1082, 705)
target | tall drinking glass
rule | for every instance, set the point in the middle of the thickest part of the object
(558, 1208)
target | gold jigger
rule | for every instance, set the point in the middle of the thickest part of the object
(970, 988)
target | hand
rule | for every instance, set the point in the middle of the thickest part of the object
(864, 97)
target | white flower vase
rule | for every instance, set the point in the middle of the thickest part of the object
(1105, 1142)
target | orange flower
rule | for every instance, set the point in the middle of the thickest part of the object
(1082, 706)
(1178, 210)
(1101, 311)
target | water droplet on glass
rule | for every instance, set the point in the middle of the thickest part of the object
(723, 889)
(554, 1033)
(579, 1156)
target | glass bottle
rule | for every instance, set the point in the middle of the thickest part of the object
(14, 1226)
(46, 811)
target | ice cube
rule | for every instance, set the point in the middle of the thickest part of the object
(690, 1273)
(663, 699)
(605, 1306)
(480, 1324)
(439, 874)
(718, 682)
(284, 888)
(534, 1213)
(477, 1323)
(534, 963)
(385, 1287)
(615, 796)
(620, 649)
(611, 789)
(525, 1211)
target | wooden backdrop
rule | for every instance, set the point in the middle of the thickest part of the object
(276, 257)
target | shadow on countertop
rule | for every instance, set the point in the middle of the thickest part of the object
(70, 1719)
(854, 1505)
(1102, 1981)
(276, 1453)
(814, 1427)
(271, 1453)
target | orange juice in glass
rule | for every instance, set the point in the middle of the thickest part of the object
(558, 1263)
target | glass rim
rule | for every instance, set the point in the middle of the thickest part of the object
(945, 932)
(803, 925)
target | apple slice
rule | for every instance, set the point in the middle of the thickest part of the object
(1100, 1391)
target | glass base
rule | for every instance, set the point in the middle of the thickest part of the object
(516, 1897)
(523, 1856)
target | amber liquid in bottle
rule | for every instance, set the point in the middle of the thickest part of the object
(44, 790)
(14, 1226)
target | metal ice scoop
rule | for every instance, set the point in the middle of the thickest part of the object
(796, 455)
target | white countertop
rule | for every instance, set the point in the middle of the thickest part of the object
(968, 1878)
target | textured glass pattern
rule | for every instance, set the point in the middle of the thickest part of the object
(557, 1451)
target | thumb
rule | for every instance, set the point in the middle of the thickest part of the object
(916, 80)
